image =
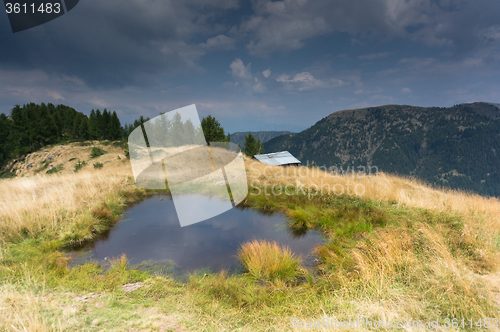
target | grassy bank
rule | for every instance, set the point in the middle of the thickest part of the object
(398, 251)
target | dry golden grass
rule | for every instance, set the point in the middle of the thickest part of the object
(29, 205)
(20, 311)
(269, 261)
(482, 215)
(417, 254)
(383, 258)
(23, 310)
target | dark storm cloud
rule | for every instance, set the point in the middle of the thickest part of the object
(286, 25)
(118, 43)
(142, 57)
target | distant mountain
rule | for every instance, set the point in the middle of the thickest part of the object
(456, 147)
(239, 137)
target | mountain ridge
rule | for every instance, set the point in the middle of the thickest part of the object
(456, 147)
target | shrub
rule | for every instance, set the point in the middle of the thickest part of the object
(96, 152)
(79, 165)
(98, 165)
(7, 175)
(84, 144)
(56, 169)
(268, 261)
(44, 167)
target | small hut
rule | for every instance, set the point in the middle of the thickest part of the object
(283, 158)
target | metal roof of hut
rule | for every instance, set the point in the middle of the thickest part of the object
(278, 158)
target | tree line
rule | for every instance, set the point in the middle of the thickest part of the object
(32, 126)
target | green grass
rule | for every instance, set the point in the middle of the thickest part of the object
(98, 165)
(99, 220)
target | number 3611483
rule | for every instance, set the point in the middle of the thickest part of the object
(24, 8)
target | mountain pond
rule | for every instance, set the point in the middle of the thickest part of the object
(150, 236)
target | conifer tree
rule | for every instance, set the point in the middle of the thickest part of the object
(100, 124)
(76, 127)
(106, 120)
(252, 146)
(93, 126)
(213, 130)
(114, 127)
(83, 129)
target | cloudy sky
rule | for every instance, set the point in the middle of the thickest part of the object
(255, 65)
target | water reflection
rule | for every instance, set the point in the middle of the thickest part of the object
(150, 233)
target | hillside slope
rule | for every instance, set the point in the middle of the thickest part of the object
(65, 157)
(456, 147)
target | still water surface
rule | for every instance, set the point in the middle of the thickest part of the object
(150, 232)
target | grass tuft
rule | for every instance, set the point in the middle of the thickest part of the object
(269, 261)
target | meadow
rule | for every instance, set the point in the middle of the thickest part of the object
(400, 251)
